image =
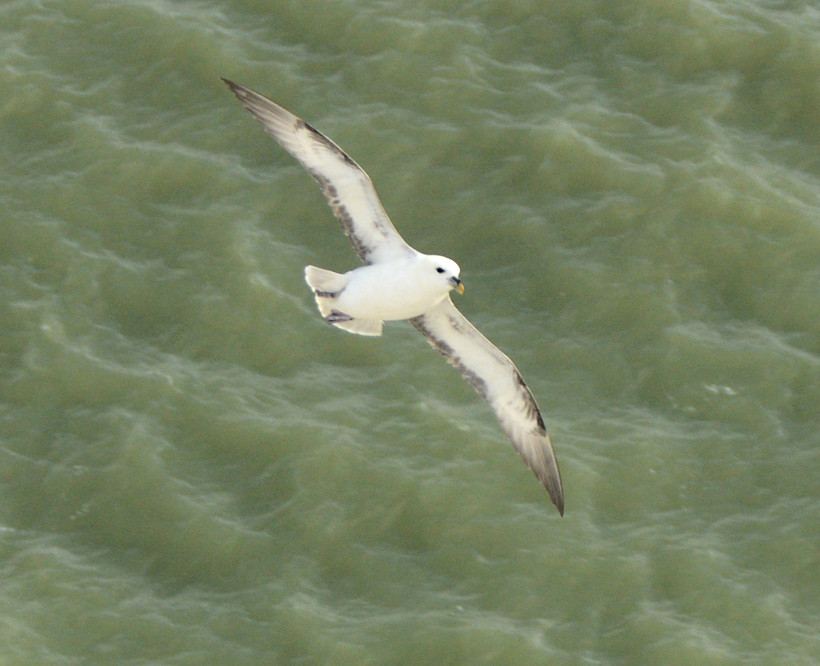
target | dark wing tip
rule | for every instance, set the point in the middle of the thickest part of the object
(557, 496)
(243, 94)
(233, 86)
(546, 469)
(551, 480)
(550, 477)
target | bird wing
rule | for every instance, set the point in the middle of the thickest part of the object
(346, 186)
(498, 381)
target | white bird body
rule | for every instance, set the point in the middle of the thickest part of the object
(398, 282)
(399, 290)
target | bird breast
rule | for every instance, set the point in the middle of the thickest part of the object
(390, 291)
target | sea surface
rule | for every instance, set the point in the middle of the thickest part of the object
(196, 469)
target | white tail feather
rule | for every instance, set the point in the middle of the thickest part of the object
(327, 286)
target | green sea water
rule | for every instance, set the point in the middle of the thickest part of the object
(195, 469)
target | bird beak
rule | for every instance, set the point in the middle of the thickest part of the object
(458, 284)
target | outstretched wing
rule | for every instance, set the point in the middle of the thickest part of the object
(498, 381)
(346, 186)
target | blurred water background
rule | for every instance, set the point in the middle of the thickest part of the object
(195, 469)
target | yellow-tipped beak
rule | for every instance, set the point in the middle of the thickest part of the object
(460, 287)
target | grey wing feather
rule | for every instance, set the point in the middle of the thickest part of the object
(346, 186)
(498, 381)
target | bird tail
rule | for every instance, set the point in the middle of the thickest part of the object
(327, 286)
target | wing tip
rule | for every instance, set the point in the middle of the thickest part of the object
(243, 94)
(550, 478)
(557, 498)
(556, 488)
(233, 86)
(545, 467)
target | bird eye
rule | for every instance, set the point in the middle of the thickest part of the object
(439, 270)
